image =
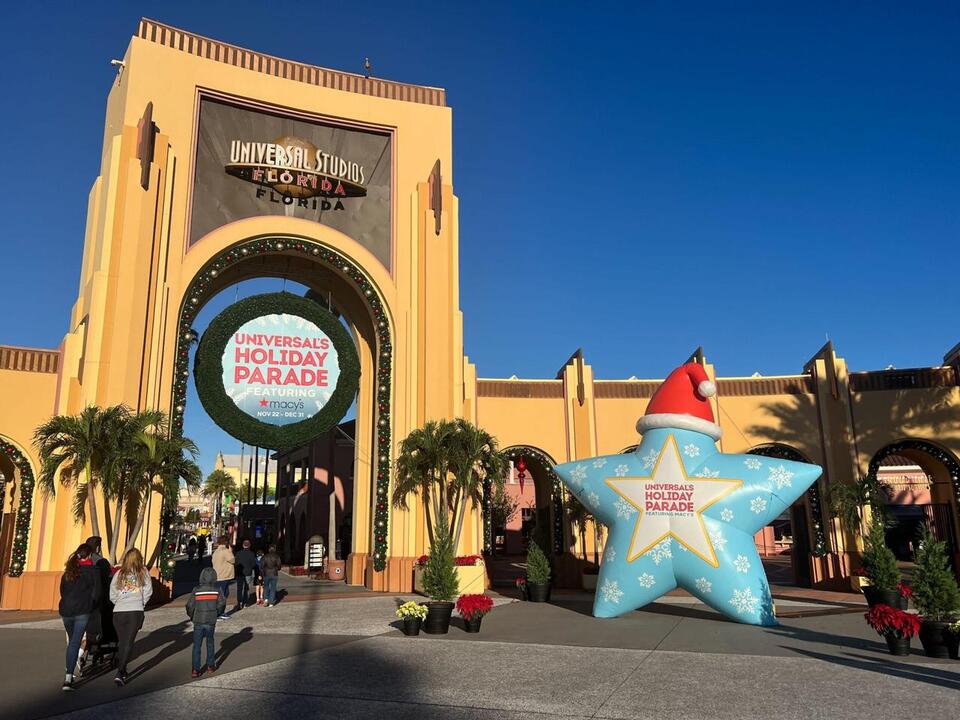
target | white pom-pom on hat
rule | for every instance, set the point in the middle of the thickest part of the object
(707, 388)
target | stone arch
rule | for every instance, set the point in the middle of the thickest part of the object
(20, 533)
(277, 254)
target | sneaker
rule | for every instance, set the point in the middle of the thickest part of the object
(211, 668)
(194, 673)
(223, 617)
(67, 682)
(119, 681)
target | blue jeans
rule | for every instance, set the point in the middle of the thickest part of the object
(75, 627)
(224, 587)
(199, 633)
(270, 589)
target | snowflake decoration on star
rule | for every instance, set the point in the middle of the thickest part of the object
(781, 477)
(611, 592)
(624, 509)
(648, 460)
(744, 601)
(677, 487)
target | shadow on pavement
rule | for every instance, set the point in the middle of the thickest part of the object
(918, 673)
(231, 643)
(826, 638)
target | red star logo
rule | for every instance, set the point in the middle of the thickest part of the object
(264, 403)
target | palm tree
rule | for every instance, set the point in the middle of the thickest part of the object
(218, 484)
(474, 459)
(163, 462)
(579, 515)
(421, 463)
(77, 448)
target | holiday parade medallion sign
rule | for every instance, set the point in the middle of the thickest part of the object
(276, 370)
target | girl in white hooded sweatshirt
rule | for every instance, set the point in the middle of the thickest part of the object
(130, 591)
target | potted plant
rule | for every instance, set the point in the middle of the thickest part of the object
(412, 613)
(936, 597)
(472, 608)
(880, 569)
(954, 631)
(895, 625)
(521, 583)
(538, 574)
(440, 582)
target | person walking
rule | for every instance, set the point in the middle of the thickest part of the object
(270, 566)
(80, 590)
(246, 569)
(223, 564)
(130, 592)
(205, 604)
(100, 625)
(191, 549)
(258, 577)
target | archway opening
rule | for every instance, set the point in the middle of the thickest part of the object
(920, 483)
(306, 492)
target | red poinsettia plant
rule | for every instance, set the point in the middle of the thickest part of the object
(473, 606)
(904, 590)
(888, 620)
(422, 560)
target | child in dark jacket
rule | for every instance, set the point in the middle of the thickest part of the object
(204, 605)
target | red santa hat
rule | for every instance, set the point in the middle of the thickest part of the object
(682, 402)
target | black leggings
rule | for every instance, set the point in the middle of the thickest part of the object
(127, 624)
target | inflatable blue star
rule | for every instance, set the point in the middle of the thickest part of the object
(682, 514)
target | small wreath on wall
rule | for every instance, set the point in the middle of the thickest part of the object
(224, 409)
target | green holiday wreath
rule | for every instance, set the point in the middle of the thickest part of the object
(208, 372)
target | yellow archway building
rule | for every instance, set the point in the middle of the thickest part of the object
(166, 229)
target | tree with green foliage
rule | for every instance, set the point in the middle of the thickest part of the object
(935, 592)
(440, 580)
(218, 484)
(879, 562)
(847, 501)
(538, 567)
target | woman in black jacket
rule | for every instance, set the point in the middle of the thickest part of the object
(79, 592)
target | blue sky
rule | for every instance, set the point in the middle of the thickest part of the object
(750, 177)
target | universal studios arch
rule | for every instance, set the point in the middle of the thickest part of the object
(221, 166)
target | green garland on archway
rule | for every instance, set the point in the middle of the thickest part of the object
(21, 529)
(200, 289)
(208, 372)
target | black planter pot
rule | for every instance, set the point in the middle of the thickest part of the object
(537, 592)
(937, 640)
(438, 618)
(473, 624)
(898, 645)
(876, 596)
(411, 625)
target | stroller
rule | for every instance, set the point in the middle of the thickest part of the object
(101, 636)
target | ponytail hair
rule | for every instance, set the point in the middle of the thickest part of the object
(71, 569)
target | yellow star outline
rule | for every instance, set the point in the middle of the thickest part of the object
(733, 484)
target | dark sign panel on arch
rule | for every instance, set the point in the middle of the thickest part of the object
(252, 162)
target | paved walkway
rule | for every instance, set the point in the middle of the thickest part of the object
(345, 659)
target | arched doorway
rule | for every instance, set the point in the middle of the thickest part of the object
(328, 273)
(537, 516)
(797, 533)
(921, 484)
(16, 507)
